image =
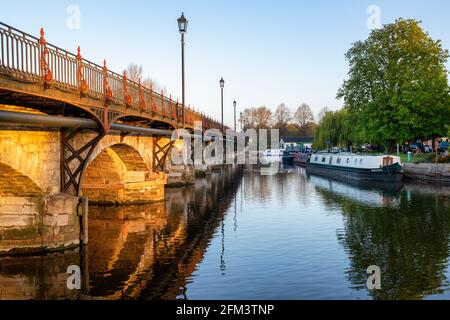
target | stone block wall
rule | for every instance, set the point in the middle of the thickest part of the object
(35, 154)
(32, 224)
(120, 175)
(439, 173)
(35, 215)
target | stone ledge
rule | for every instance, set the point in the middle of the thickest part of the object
(21, 220)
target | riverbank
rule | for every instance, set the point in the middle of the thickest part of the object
(428, 172)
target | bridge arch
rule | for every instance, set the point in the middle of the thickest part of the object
(118, 173)
(13, 183)
(35, 154)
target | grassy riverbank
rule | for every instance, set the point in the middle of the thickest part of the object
(419, 158)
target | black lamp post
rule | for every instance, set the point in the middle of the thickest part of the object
(234, 105)
(182, 27)
(222, 85)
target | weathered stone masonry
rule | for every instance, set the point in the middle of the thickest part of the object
(35, 215)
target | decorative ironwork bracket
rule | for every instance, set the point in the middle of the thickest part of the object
(47, 76)
(83, 87)
(107, 89)
(163, 109)
(152, 102)
(160, 152)
(126, 95)
(74, 161)
(142, 103)
(174, 109)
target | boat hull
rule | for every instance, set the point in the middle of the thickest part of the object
(301, 159)
(288, 160)
(392, 173)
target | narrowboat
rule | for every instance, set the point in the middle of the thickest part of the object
(288, 155)
(350, 166)
(301, 158)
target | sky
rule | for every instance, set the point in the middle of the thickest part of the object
(268, 52)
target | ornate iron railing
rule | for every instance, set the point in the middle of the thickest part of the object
(30, 59)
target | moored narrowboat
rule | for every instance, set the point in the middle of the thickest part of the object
(301, 158)
(352, 166)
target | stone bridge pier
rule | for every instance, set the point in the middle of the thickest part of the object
(36, 214)
(119, 171)
(179, 174)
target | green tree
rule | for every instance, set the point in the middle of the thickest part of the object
(337, 129)
(398, 85)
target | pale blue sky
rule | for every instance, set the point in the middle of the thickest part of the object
(267, 51)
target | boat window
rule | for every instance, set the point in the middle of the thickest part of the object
(316, 159)
(331, 160)
(348, 160)
(360, 161)
(356, 161)
(323, 159)
(338, 161)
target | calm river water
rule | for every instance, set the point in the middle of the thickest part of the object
(250, 236)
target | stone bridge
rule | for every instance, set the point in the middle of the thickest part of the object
(70, 129)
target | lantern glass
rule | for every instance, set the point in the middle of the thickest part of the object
(182, 23)
(222, 83)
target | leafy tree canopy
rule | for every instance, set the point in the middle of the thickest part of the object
(398, 84)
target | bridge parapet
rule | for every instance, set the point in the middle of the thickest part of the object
(31, 60)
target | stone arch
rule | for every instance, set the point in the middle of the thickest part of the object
(129, 148)
(20, 208)
(131, 158)
(119, 174)
(35, 154)
(15, 183)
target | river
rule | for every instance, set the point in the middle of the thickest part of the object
(245, 235)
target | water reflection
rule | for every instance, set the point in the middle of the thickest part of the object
(37, 277)
(255, 236)
(150, 251)
(405, 233)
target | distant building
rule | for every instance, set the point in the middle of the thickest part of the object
(286, 142)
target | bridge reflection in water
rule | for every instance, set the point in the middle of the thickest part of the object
(146, 251)
(298, 237)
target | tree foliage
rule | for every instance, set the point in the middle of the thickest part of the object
(398, 84)
(337, 129)
(135, 73)
(303, 115)
(282, 116)
(263, 118)
(257, 118)
(322, 113)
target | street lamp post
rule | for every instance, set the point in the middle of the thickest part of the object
(242, 121)
(182, 27)
(222, 85)
(234, 105)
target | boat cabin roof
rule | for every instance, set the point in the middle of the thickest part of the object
(353, 160)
